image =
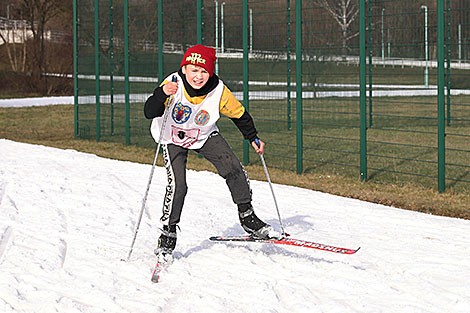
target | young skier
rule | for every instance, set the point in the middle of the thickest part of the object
(198, 97)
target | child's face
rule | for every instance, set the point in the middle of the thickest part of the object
(196, 75)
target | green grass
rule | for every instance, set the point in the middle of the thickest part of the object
(53, 126)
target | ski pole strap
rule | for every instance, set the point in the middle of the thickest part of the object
(257, 142)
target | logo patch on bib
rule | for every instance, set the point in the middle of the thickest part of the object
(181, 113)
(202, 118)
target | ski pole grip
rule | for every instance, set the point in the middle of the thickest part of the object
(257, 142)
(174, 79)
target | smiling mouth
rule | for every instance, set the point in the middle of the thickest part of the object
(197, 83)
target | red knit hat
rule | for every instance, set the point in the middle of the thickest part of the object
(202, 56)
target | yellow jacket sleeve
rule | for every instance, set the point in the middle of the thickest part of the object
(229, 105)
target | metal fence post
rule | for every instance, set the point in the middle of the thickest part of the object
(75, 70)
(369, 32)
(289, 101)
(362, 79)
(111, 63)
(199, 21)
(160, 41)
(216, 35)
(440, 96)
(126, 70)
(298, 84)
(246, 94)
(97, 71)
(447, 44)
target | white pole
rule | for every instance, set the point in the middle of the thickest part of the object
(388, 42)
(426, 52)
(272, 190)
(460, 43)
(216, 35)
(222, 26)
(383, 46)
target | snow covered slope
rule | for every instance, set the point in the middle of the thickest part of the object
(67, 218)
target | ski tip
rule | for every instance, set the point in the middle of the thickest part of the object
(353, 251)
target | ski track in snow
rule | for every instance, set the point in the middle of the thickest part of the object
(67, 218)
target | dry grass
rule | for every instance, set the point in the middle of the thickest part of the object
(53, 126)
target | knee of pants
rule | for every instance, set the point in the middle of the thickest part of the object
(235, 173)
(181, 191)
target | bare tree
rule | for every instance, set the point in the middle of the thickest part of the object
(344, 12)
(39, 13)
(14, 29)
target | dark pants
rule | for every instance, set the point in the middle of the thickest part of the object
(217, 151)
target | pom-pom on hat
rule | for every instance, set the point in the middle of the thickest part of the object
(202, 56)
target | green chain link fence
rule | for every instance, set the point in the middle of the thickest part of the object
(371, 89)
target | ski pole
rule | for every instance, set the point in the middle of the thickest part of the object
(271, 186)
(144, 200)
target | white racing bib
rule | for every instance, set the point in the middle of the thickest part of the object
(189, 125)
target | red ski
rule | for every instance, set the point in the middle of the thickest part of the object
(287, 241)
(156, 272)
(162, 263)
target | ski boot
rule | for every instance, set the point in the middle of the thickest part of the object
(253, 225)
(166, 243)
